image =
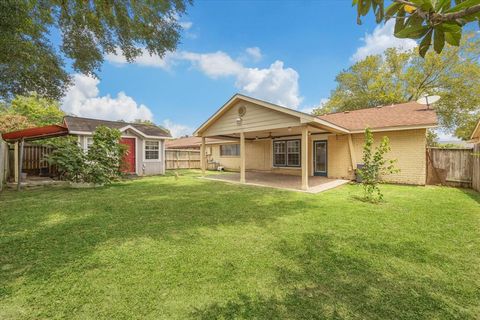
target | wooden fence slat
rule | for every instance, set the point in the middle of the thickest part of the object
(182, 159)
(476, 167)
(452, 167)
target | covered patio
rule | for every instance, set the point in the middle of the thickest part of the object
(280, 181)
(277, 146)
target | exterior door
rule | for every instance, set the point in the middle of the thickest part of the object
(129, 158)
(320, 158)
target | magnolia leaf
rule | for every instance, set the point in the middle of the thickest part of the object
(392, 9)
(400, 22)
(412, 32)
(438, 40)
(425, 43)
(463, 5)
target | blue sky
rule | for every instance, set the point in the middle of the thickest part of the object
(287, 52)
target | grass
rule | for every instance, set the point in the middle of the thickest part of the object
(162, 248)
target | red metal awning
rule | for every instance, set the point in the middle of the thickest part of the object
(36, 133)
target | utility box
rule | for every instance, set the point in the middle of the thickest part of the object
(358, 177)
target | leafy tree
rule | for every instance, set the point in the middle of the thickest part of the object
(39, 111)
(375, 166)
(89, 29)
(14, 122)
(433, 21)
(399, 77)
(29, 111)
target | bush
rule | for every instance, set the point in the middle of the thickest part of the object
(69, 158)
(102, 163)
(375, 166)
(105, 156)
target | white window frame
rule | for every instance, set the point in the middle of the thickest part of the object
(285, 164)
(145, 151)
(229, 156)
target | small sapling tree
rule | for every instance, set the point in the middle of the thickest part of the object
(375, 166)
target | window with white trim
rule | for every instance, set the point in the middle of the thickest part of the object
(286, 153)
(88, 143)
(229, 150)
(152, 150)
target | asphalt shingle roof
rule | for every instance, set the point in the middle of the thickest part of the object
(89, 125)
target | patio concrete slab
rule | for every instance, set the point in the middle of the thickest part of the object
(280, 181)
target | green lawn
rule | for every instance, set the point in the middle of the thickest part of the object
(162, 248)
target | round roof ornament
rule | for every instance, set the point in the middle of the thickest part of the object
(242, 110)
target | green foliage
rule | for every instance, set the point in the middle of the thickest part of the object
(70, 159)
(37, 110)
(105, 156)
(29, 111)
(403, 76)
(89, 30)
(375, 166)
(101, 164)
(433, 21)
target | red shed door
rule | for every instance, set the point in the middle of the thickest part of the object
(129, 158)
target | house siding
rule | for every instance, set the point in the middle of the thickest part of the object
(256, 118)
(407, 146)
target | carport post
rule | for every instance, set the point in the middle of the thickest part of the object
(15, 163)
(202, 156)
(20, 162)
(304, 148)
(242, 157)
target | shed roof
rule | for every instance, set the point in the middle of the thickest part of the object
(88, 125)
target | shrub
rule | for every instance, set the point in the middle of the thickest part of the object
(105, 156)
(69, 158)
(102, 163)
(375, 166)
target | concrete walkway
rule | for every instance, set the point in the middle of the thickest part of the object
(281, 181)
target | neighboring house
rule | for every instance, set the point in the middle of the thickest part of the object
(146, 143)
(283, 140)
(191, 143)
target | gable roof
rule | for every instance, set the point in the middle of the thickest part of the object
(304, 117)
(403, 115)
(79, 125)
(384, 118)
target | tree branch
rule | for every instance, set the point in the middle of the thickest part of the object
(436, 18)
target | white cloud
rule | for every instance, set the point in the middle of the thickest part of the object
(82, 100)
(382, 38)
(214, 65)
(186, 25)
(309, 109)
(255, 53)
(176, 129)
(276, 83)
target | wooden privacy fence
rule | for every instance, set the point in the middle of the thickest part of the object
(476, 167)
(34, 162)
(450, 167)
(182, 159)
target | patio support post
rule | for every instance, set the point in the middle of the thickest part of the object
(20, 162)
(242, 157)
(15, 163)
(304, 148)
(203, 161)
